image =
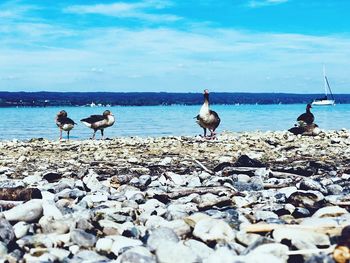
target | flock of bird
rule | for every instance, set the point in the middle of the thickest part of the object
(95, 122)
(207, 119)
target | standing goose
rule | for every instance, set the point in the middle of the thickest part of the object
(307, 117)
(99, 122)
(207, 118)
(64, 123)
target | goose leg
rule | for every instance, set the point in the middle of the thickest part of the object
(68, 135)
(205, 132)
(212, 134)
(93, 135)
(102, 133)
(60, 134)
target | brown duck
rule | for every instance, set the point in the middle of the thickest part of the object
(99, 122)
(64, 123)
(307, 117)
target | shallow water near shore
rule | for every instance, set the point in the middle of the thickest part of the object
(26, 123)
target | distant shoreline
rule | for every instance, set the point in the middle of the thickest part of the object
(45, 99)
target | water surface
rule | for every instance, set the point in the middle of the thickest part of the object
(26, 123)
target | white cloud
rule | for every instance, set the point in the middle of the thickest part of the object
(14, 11)
(164, 59)
(137, 10)
(262, 3)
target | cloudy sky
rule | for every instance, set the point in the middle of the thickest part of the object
(174, 45)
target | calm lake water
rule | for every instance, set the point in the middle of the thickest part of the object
(26, 123)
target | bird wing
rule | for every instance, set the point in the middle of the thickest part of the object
(69, 121)
(93, 118)
(306, 117)
(215, 115)
(301, 117)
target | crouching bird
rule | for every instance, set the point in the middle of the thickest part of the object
(207, 118)
(99, 122)
(64, 123)
(306, 125)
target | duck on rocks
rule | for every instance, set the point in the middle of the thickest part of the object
(64, 123)
(306, 125)
(99, 122)
(307, 117)
(207, 118)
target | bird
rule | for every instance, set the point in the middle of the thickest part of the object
(306, 118)
(99, 122)
(208, 119)
(64, 123)
(310, 129)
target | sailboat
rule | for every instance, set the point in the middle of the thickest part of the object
(328, 99)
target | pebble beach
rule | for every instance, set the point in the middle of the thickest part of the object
(244, 197)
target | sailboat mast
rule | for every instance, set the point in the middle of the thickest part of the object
(325, 80)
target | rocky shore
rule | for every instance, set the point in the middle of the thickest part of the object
(246, 197)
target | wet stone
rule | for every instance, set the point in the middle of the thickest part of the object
(82, 238)
(6, 231)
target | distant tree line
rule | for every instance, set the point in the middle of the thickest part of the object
(42, 99)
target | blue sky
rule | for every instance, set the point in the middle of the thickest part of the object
(174, 46)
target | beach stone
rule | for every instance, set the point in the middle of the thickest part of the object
(104, 244)
(206, 175)
(50, 225)
(322, 258)
(21, 229)
(223, 255)
(59, 253)
(179, 226)
(50, 209)
(262, 172)
(256, 243)
(32, 179)
(246, 238)
(82, 238)
(3, 249)
(28, 212)
(200, 249)
(278, 250)
(330, 211)
(193, 219)
(88, 256)
(301, 212)
(213, 230)
(309, 184)
(52, 176)
(243, 178)
(170, 252)
(301, 238)
(166, 161)
(160, 235)
(246, 161)
(175, 178)
(251, 186)
(334, 189)
(91, 181)
(6, 231)
(262, 215)
(287, 191)
(194, 182)
(309, 199)
(179, 211)
(144, 180)
(133, 257)
(261, 258)
(120, 243)
(136, 255)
